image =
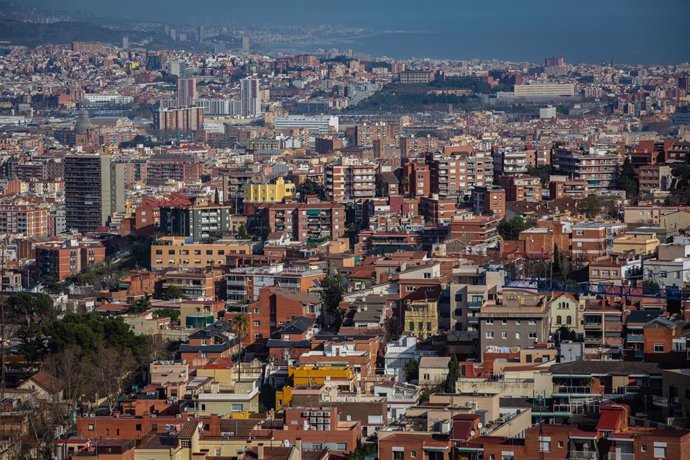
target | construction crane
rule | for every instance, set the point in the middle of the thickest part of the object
(597, 289)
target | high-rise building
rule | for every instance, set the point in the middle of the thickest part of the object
(250, 97)
(186, 92)
(94, 190)
(245, 44)
(186, 119)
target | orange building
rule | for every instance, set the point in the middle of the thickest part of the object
(61, 259)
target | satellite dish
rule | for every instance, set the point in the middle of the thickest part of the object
(480, 426)
(286, 443)
(472, 433)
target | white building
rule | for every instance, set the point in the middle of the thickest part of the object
(668, 273)
(398, 354)
(316, 124)
(546, 113)
(544, 90)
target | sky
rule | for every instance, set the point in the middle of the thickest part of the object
(644, 31)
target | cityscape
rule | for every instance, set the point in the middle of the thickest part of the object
(291, 238)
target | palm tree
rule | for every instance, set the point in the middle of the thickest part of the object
(240, 324)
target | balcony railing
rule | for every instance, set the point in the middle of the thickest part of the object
(582, 455)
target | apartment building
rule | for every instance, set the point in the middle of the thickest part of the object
(476, 230)
(594, 239)
(598, 167)
(61, 259)
(509, 162)
(177, 252)
(31, 221)
(353, 182)
(177, 167)
(265, 192)
(197, 284)
(197, 222)
(562, 187)
(185, 119)
(448, 176)
(471, 288)
(655, 178)
(416, 177)
(247, 282)
(521, 188)
(517, 318)
(489, 200)
(306, 221)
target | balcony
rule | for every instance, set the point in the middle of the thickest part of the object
(635, 338)
(582, 455)
(475, 305)
(572, 390)
(593, 325)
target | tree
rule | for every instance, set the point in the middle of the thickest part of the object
(564, 333)
(542, 172)
(453, 374)
(627, 180)
(111, 372)
(310, 187)
(591, 206)
(172, 293)
(242, 232)
(510, 230)
(174, 315)
(141, 305)
(411, 370)
(240, 324)
(29, 307)
(332, 290)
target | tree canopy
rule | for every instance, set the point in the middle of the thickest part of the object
(510, 229)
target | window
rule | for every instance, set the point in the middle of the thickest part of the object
(532, 322)
(257, 323)
(559, 320)
(560, 444)
(257, 310)
(658, 348)
(504, 335)
(91, 427)
(411, 326)
(410, 288)
(517, 335)
(517, 322)
(533, 335)
(660, 450)
(398, 455)
(237, 407)
(489, 334)
(489, 321)
(643, 448)
(544, 444)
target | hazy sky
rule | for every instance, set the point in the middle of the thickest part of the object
(646, 30)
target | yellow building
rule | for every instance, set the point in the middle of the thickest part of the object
(635, 244)
(177, 252)
(269, 193)
(421, 318)
(567, 311)
(308, 376)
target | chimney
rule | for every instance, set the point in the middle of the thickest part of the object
(260, 451)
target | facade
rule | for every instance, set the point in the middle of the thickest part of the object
(197, 221)
(94, 191)
(521, 188)
(250, 97)
(162, 168)
(421, 318)
(315, 124)
(355, 182)
(544, 90)
(186, 92)
(307, 221)
(489, 200)
(269, 193)
(184, 119)
(176, 252)
(63, 259)
(30, 221)
(519, 318)
(599, 168)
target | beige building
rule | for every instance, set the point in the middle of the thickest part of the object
(176, 252)
(635, 244)
(433, 370)
(566, 311)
